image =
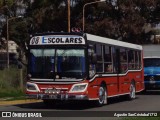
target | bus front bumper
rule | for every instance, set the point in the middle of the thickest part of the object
(57, 96)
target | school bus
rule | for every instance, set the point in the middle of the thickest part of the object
(81, 66)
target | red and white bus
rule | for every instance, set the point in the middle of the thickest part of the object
(81, 66)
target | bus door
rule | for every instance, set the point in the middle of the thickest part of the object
(116, 65)
(123, 78)
(113, 86)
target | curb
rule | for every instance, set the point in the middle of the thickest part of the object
(16, 102)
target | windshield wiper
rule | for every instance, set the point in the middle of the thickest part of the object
(68, 78)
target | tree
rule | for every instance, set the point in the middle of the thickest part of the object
(121, 19)
(48, 15)
(125, 20)
(18, 28)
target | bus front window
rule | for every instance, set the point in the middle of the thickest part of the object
(70, 63)
(64, 63)
(41, 63)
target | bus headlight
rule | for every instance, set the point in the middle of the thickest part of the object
(31, 87)
(79, 87)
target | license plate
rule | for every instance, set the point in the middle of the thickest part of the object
(46, 97)
(63, 96)
(53, 96)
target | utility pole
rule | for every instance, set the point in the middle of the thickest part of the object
(69, 15)
(7, 44)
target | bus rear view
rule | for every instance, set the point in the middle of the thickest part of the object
(152, 72)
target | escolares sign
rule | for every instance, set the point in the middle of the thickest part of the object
(59, 40)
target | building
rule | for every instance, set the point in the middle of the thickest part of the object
(12, 47)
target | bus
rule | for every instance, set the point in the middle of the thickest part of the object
(82, 66)
(151, 66)
(152, 72)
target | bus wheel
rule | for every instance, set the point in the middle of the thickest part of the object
(132, 93)
(102, 93)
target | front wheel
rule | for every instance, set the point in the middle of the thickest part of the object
(102, 96)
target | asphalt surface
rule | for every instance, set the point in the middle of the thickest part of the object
(15, 102)
(148, 102)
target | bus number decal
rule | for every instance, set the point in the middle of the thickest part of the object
(35, 40)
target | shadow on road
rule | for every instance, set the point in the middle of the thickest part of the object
(150, 92)
(76, 105)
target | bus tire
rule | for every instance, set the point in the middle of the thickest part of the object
(132, 91)
(102, 96)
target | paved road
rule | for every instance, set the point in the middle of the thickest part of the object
(149, 101)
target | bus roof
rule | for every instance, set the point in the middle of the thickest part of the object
(112, 42)
(90, 37)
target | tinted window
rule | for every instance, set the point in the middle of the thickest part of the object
(152, 62)
(123, 60)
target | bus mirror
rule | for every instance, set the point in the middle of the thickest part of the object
(94, 58)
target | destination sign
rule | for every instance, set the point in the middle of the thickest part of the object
(53, 40)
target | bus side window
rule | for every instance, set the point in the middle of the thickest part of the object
(99, 65)
(108, 64)
(123, 60)
(140, 57)
(137, 60)
(131, 63)
(92, 68)
(108, 68)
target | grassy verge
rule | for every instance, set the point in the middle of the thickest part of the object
(16, 98)
(10, 83)
(11, 93)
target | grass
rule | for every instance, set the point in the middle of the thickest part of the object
(12, 92)
(10, 83)
(16, 98)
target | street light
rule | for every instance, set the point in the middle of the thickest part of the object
(8, 19)
(84, 9)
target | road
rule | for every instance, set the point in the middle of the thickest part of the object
(143, 102)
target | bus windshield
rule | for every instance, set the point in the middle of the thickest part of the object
(152, 62)
(57, 63)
